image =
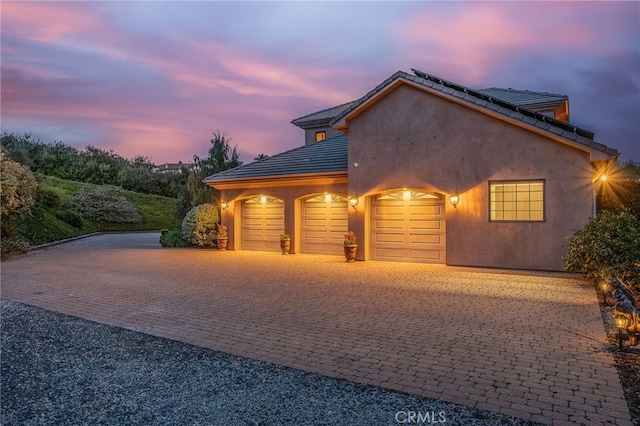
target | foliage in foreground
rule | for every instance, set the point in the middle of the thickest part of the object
(173, 238)
(199, 225)
(17, 193)
(608, 245)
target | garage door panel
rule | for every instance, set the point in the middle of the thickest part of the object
(426, 255)
(323, 225)
(426, 224)
(262, 224)
(410, 230)
(436, 239)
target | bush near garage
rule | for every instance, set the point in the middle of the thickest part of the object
(199, 225)
(17, 193)
(608, 245)
(173, 238)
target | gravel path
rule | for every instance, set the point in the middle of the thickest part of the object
(58, 369)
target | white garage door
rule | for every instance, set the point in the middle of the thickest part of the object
(262, 223)
(324, 223)
(408, 226)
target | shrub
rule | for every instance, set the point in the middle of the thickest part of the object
(70, 216)
(104, 206)
(14, 245)
(608, 245)
(173, 238)
(199, 225)
(49, 196)
(17, 193)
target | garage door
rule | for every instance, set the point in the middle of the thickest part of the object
(324, 223)
(408, 226)
(262, 223)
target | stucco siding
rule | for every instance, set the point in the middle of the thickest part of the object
(414, 139)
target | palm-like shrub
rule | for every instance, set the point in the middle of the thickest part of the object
(199, 225)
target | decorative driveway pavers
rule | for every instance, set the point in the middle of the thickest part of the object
(520, 343)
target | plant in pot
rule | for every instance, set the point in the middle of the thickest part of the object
(285, 243)
(350, 246)
(223, 238)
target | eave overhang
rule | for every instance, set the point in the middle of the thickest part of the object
(327, 178)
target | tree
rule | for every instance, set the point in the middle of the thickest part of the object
(17, 193)
(221, 157)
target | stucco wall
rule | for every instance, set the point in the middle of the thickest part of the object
(289, 194)
(413, 139)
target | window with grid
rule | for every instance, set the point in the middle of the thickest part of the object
(516, 201)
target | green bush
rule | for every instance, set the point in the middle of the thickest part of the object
(49, 196)
(199, 225)
(173, 238)
(104, 206)
(17, 193)
(70, 216)
(608, 245)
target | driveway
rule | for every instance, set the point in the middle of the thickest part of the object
(525, 344)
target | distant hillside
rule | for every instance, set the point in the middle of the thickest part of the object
(52, 219)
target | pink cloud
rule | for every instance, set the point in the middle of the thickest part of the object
(50, 22)
(476, 39)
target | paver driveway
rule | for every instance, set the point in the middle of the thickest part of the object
(525, 344)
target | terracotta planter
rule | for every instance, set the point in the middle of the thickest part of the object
(222, 243)
(285, 246)
(350, 252)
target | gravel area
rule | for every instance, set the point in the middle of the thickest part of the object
(58, 369)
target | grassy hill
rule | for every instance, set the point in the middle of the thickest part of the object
(46, 223)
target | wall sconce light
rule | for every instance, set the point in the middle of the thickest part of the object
(621, 323)
(224, 205)
(353, 202)
(406, 195)
(263, 199)
(454, 200)
(327, 198)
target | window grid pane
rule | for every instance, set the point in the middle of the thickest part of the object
(516, 201)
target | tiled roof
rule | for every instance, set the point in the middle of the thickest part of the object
(327, 156)
(523, 97)
(322, 117)
(508, 109)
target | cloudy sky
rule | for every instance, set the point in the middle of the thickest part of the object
(156, 78)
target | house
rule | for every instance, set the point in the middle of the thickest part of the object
(178, 167)
(425, 170)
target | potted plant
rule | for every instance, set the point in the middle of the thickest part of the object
(350, 246)
(222, 238)
(285, 243)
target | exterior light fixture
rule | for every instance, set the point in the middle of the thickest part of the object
(353, 202)
(454, 200)
(406, 195)
(327, 198)
(603, 178)
(621, 323)
(263, 199)
(224, 205)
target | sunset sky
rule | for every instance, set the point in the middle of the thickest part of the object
(156, 78)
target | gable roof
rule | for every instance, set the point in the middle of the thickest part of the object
(322, 158)
(322, 117)
(572, 135)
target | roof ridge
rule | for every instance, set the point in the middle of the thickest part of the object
(323, 110)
